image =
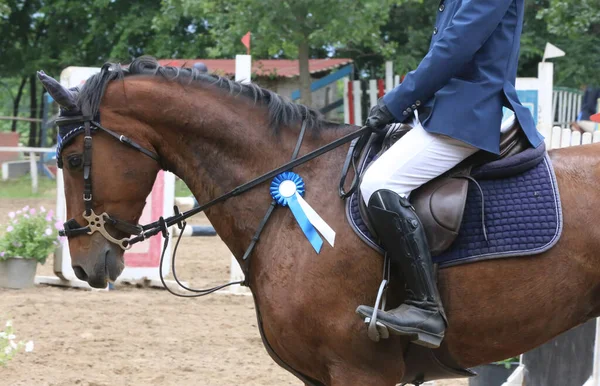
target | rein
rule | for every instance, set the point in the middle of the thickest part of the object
(96, 223)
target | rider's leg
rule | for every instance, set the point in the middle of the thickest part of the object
(412, 161)
(415, 159)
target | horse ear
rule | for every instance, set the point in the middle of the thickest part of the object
(60, 94)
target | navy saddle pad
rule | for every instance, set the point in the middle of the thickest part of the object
(523, 215)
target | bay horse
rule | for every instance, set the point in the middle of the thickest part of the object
(216, 134)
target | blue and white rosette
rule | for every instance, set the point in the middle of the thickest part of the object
(287, 189)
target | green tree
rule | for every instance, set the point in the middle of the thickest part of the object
(572, 17)
(282, 28)
(407, 33)
(574, 25)
(35, 34)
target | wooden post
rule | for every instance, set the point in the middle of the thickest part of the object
(236, 274)
(546, 131)
(566, 138)
(595, 378)
(586, 138)
(346, 81)
(546, 84)
(33, 170)
(556, 133)
(575, 138)
(243, 68)
(357, 103)
(373, 92)
(243, 73)
(389, 76)
(561, 106)
(569, 108)
(596, 371)
(381, 88)
(350, 96)
(517, 377)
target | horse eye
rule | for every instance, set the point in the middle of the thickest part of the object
(75, 161)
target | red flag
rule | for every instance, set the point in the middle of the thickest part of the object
(246, 42)
(595, 118)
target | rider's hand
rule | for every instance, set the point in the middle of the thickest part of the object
(379, 116)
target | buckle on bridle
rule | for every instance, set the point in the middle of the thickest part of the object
(88, 198)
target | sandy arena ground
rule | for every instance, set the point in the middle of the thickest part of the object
(140, 336)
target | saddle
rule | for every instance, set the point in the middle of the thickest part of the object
(440, 203)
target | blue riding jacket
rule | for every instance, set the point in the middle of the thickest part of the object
(469, 74)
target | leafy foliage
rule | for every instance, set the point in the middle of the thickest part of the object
(574, 26)
(30, 234)
(572, 17)
(9, 347)
(508, 363)
(286, 29)
(278, 27)
(37, 34)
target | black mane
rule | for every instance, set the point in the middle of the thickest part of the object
(281, 111)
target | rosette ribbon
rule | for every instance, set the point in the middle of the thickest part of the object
(287, 189)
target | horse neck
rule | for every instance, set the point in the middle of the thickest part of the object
(216, 142)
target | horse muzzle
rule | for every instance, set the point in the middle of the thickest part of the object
(101, 263)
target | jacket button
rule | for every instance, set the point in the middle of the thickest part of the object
(435, 31)
(442, 7)
(418, 103)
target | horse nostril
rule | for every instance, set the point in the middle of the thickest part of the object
(80, 273)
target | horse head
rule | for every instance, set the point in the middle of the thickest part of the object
(106, 184)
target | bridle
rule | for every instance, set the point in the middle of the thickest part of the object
(85, 124)
(95, 222)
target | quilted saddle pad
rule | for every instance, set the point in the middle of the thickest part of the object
(523, 216)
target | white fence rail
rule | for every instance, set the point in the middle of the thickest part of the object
(33, 168)
(558, 137)
(566, 105)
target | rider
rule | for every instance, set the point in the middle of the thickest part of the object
(454, 99)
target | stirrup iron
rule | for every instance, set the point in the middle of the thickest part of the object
(376, 329)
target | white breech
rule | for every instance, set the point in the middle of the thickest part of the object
(413, 160)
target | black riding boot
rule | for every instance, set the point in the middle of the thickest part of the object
(421, 317)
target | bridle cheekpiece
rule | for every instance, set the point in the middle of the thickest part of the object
(69, 128)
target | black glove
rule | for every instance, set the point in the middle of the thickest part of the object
(379, 116)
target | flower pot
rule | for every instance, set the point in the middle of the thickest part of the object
(17, 273)
(492, 374)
